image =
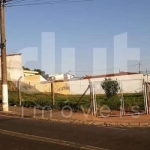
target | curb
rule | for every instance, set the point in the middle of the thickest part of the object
(88, 122)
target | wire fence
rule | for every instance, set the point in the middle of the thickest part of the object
(129, 99)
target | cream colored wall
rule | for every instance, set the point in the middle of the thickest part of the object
(14, 67)
(59, 87)
(128, 83)
(34, 78)
(35, 82)
(62, 88)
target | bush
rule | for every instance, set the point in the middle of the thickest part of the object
(130, 101)
(110, 87)
(13, 102)
(72, 105)
(43, 101)
(28, 103)
(113, 103)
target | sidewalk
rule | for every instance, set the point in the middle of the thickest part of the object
(80, 118)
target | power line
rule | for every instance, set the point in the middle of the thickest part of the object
(110, 68)
(33, 3)
(14, 1)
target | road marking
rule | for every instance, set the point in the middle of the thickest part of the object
(50, 140)
(115, 128)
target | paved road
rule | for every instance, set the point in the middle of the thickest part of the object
(14, 143)
(21, 134)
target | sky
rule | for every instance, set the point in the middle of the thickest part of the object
(86, 38)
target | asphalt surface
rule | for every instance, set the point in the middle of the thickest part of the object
(14, 143)
(21, 134)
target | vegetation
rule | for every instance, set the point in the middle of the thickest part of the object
(110, 87)
(44, 100)
(41, 100)
(40, 72)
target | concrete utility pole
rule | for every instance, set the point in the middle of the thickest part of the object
(3, 58)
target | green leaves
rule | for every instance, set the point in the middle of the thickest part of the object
(110, 87)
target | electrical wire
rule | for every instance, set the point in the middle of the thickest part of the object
(107, 69)
(12, 3)
(110, 68)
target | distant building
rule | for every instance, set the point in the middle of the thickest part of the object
(14, 67)
(34, 78)
(61, 77)
(122, 73)
(30, 73)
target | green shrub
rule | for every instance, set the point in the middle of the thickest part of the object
(113, 103)
(44, 101)
(13, 102)
(29, 103)
(68, 105)
(110, 87)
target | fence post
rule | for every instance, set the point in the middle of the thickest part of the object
(94, 102)
(148, 98)
(52, 92)
(143, 86)
(91, 96)
(122, 110)
(19, 91)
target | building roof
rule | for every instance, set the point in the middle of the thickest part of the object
(30, 71)
(110, 75)
(13, 54)
(60, 74)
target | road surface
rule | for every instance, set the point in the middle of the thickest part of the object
(29, 134)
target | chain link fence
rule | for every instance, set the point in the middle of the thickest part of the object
(129, 99)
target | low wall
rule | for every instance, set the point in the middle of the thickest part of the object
(128, 84)
(59, 87)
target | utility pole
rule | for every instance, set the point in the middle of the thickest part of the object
(3, 58)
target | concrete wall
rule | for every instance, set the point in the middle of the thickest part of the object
(128, 84)
(14, 67)
(33, 78)
(59, 87)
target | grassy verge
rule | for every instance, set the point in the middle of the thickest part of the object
(45, 100)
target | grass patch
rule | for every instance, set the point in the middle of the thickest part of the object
(45, 99)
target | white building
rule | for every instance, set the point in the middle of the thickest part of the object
(30, 73)
(14, 67)
(61, 77)
(129, 83)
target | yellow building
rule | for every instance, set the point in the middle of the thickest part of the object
(30, 73)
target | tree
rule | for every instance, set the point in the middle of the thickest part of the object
(42, 73)
(111, 87)
(25, 68)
